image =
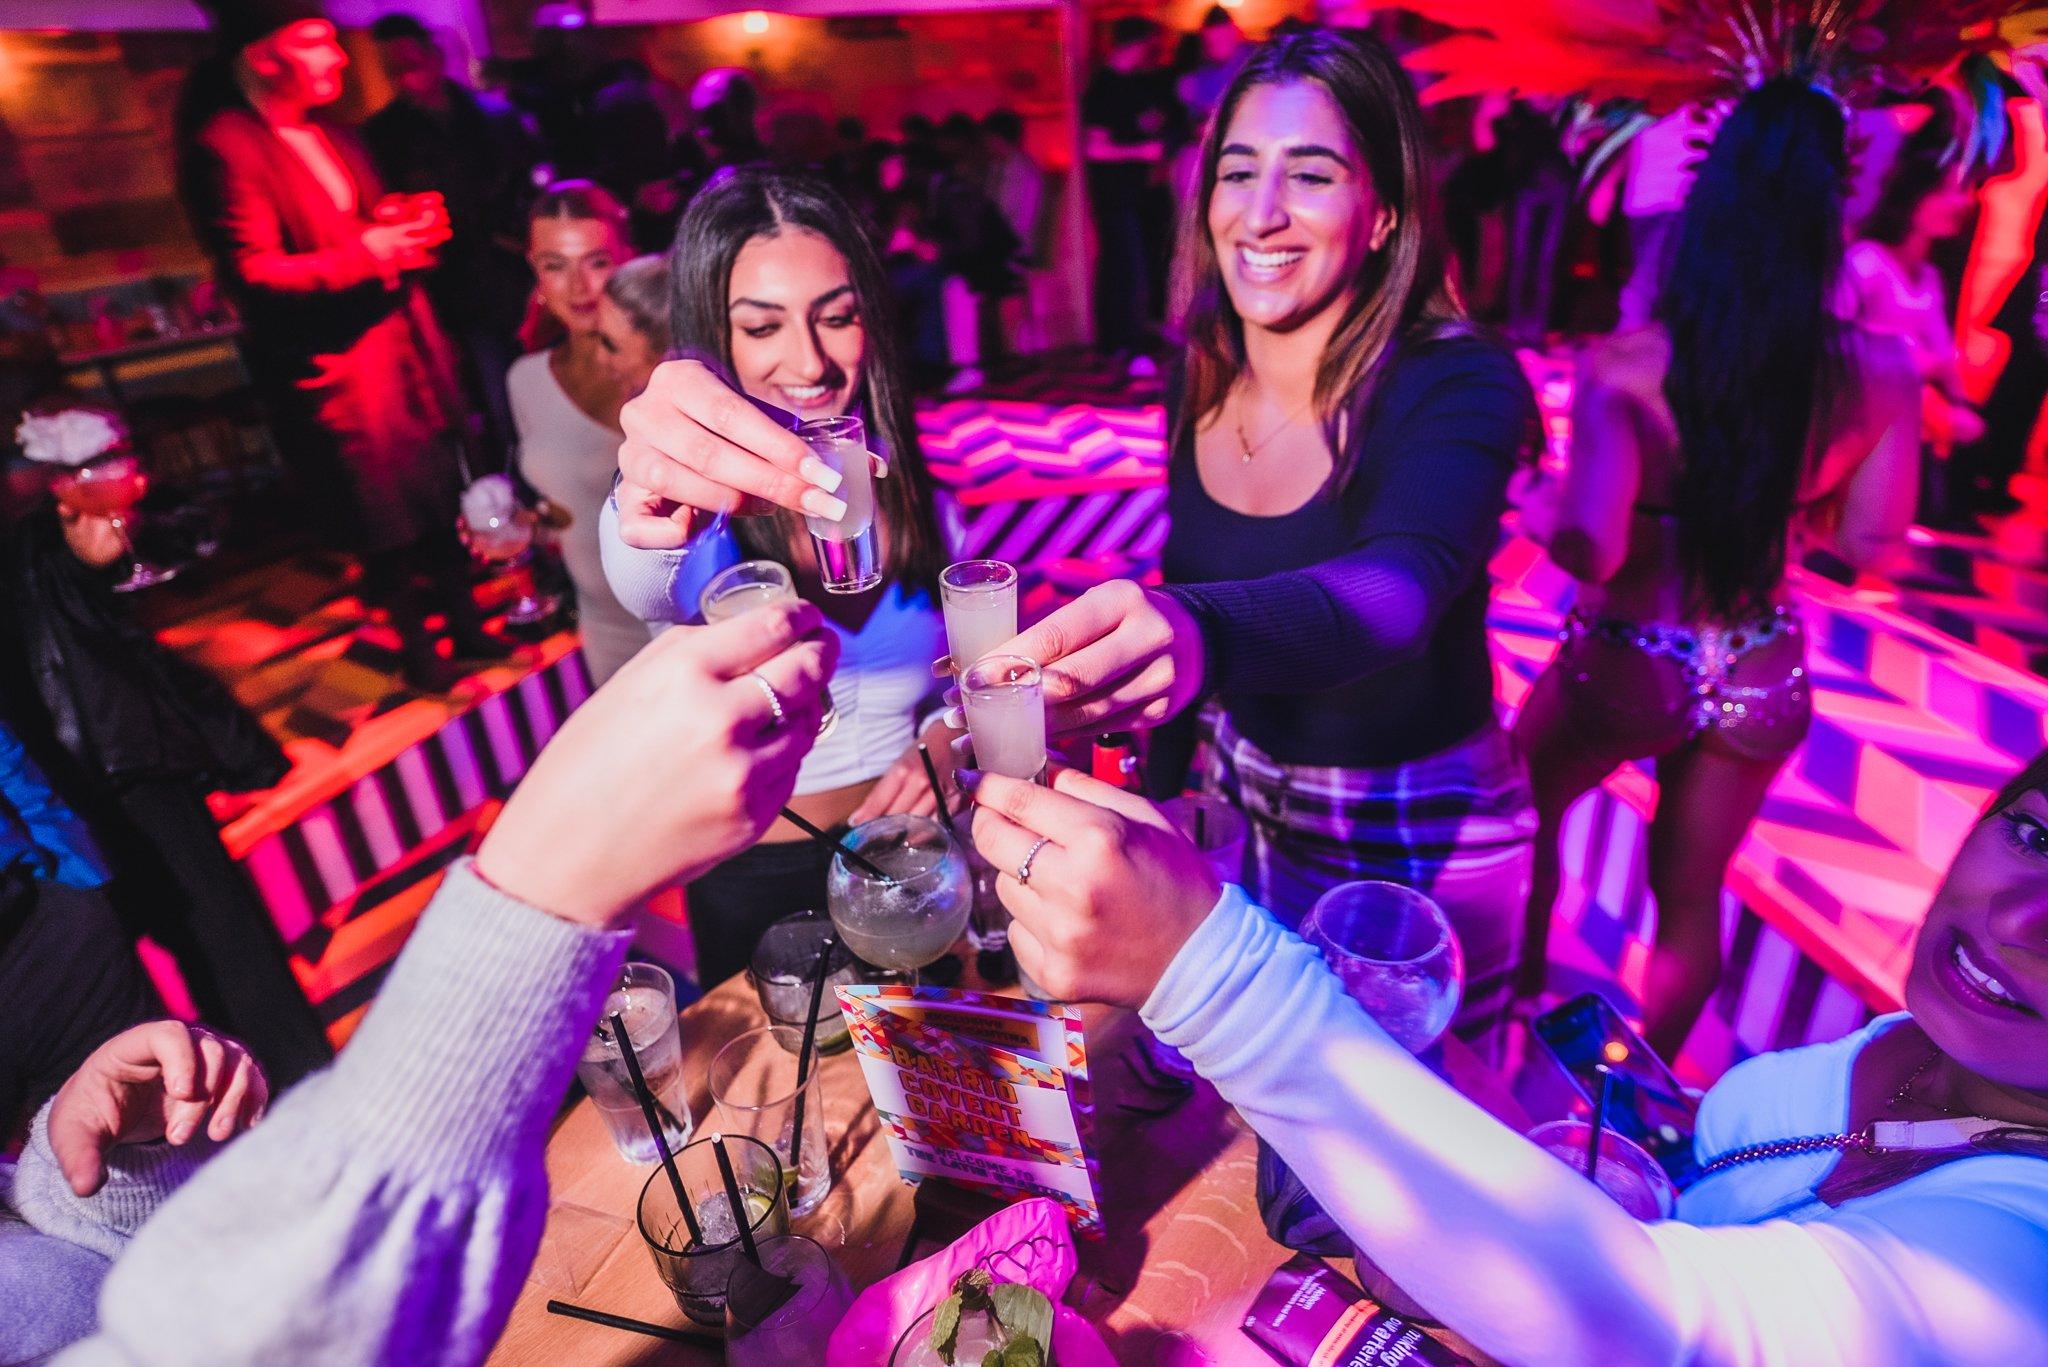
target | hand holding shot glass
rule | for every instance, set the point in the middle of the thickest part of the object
(1003, 698)
(848, 549)
(979, 599)
(751, 584)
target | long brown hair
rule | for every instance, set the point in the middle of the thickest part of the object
(751, 202)
(1403, 289)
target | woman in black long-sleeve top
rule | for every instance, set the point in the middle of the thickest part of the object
(1341, 452)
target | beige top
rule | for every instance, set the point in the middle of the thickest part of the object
(570, 457)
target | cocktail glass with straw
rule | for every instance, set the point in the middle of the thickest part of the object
(751, 584)
(848, 548)
(695, 1265)
(979, 599)
(794, 1333)
(1003, 697)
(910, 915)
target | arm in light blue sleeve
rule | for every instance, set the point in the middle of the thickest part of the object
(661, 588)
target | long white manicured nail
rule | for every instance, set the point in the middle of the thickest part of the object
(815, 471)
(818, 503)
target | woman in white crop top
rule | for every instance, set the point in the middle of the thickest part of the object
(778, 287)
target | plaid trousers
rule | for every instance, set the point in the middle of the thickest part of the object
(1459, 825)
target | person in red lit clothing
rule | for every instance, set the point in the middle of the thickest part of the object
(340, 341)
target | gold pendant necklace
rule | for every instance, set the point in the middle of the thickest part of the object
(1251, 448)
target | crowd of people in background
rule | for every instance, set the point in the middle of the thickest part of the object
(621, 293)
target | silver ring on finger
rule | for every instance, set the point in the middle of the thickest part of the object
(774, 699)
(1024, 869)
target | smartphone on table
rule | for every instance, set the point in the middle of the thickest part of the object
(1646, 1102)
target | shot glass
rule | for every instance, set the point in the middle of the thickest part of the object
(979, 599)
(646, 996)
(1004, 700)
(753, 1084)
(1624, 1170)
(849, 552)
(697, 1271)
(751, 584)
(780, 970)
(1217, 828)
(793, 1334)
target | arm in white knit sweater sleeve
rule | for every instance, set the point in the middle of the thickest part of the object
(389, 1207)
(659, 587)
(1521, 1255)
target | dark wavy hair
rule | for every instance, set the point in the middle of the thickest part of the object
(758, 201)
(1925, 162)
(1756, 351)
(1403, 290)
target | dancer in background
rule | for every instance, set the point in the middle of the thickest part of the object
(566, 400)
(1131, 122)
(338, 337)
(1745, 420)
(1891, 287)
(778, 288)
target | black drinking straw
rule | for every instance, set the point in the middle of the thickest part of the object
(631, 1326)
(739, 1203)
(1599, 1121)
(1201, 827)
(646, 1095)
(819, 972)
(931, 775)
(817, 832)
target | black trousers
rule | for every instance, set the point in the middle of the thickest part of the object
(733, 903)
(69, 982)
(175, 883)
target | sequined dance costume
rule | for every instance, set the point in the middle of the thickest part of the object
(1646, 688)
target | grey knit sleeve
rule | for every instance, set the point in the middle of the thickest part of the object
(390, 1206)
(140, 1177)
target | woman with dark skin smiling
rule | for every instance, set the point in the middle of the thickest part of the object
(1874, 1202)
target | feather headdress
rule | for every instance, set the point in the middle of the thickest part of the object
(1666, 53)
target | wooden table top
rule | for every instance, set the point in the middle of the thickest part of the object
(1184, 1254)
